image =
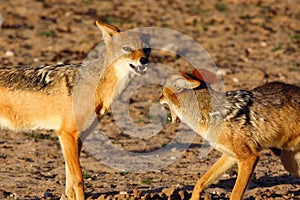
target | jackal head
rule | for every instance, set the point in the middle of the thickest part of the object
(181, 93)
(129, 51)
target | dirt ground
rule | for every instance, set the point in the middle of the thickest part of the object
(252, 42)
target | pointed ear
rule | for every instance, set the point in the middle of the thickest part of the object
(107, 30)
(205, 75)
(184, 82)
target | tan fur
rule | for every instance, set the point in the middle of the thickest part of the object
(265, 117)
(44, 97)
(104, 93)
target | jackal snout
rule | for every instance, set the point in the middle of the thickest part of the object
(140, 55)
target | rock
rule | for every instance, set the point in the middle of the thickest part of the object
(137, 193)
(263, 44)
(146, 197)
(183, 194)
(102, 197)
(122, 192)
(224, 71)
(48, 195)
(1, 20)
(168, 191)
(174, 194)
(236, 80)
(9, 53)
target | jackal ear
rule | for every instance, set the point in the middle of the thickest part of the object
(205, 75)
(107, 30)
(184, 82)
(171, 96)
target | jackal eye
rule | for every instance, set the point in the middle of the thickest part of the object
(127, 48)
(177, 88)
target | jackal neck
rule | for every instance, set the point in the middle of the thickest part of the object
(205, 111)
(197, 115)
(105, 91)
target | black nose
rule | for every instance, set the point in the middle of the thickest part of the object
(144, 60)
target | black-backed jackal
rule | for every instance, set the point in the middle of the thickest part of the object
(266, 117)
(42, 97)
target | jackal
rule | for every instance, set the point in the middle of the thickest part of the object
(42, 97)
(266, 117)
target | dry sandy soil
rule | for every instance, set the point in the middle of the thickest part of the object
(251, 43)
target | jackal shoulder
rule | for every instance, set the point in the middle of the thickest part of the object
(41, 78)
(238, 103)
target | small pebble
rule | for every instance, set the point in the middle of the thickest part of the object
(48, 195)
(263, 44)
(1, 20)
(236, 80)
(224, 71)
(9, 53)
(123, 192)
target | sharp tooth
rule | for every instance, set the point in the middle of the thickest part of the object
(142, 68)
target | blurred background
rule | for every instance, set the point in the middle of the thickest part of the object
(243, 37)
(252, 42)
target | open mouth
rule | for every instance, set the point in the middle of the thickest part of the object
(173, 118)
(140, 69)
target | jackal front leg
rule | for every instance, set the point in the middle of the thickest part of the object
(220, 167)
(71, 144)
